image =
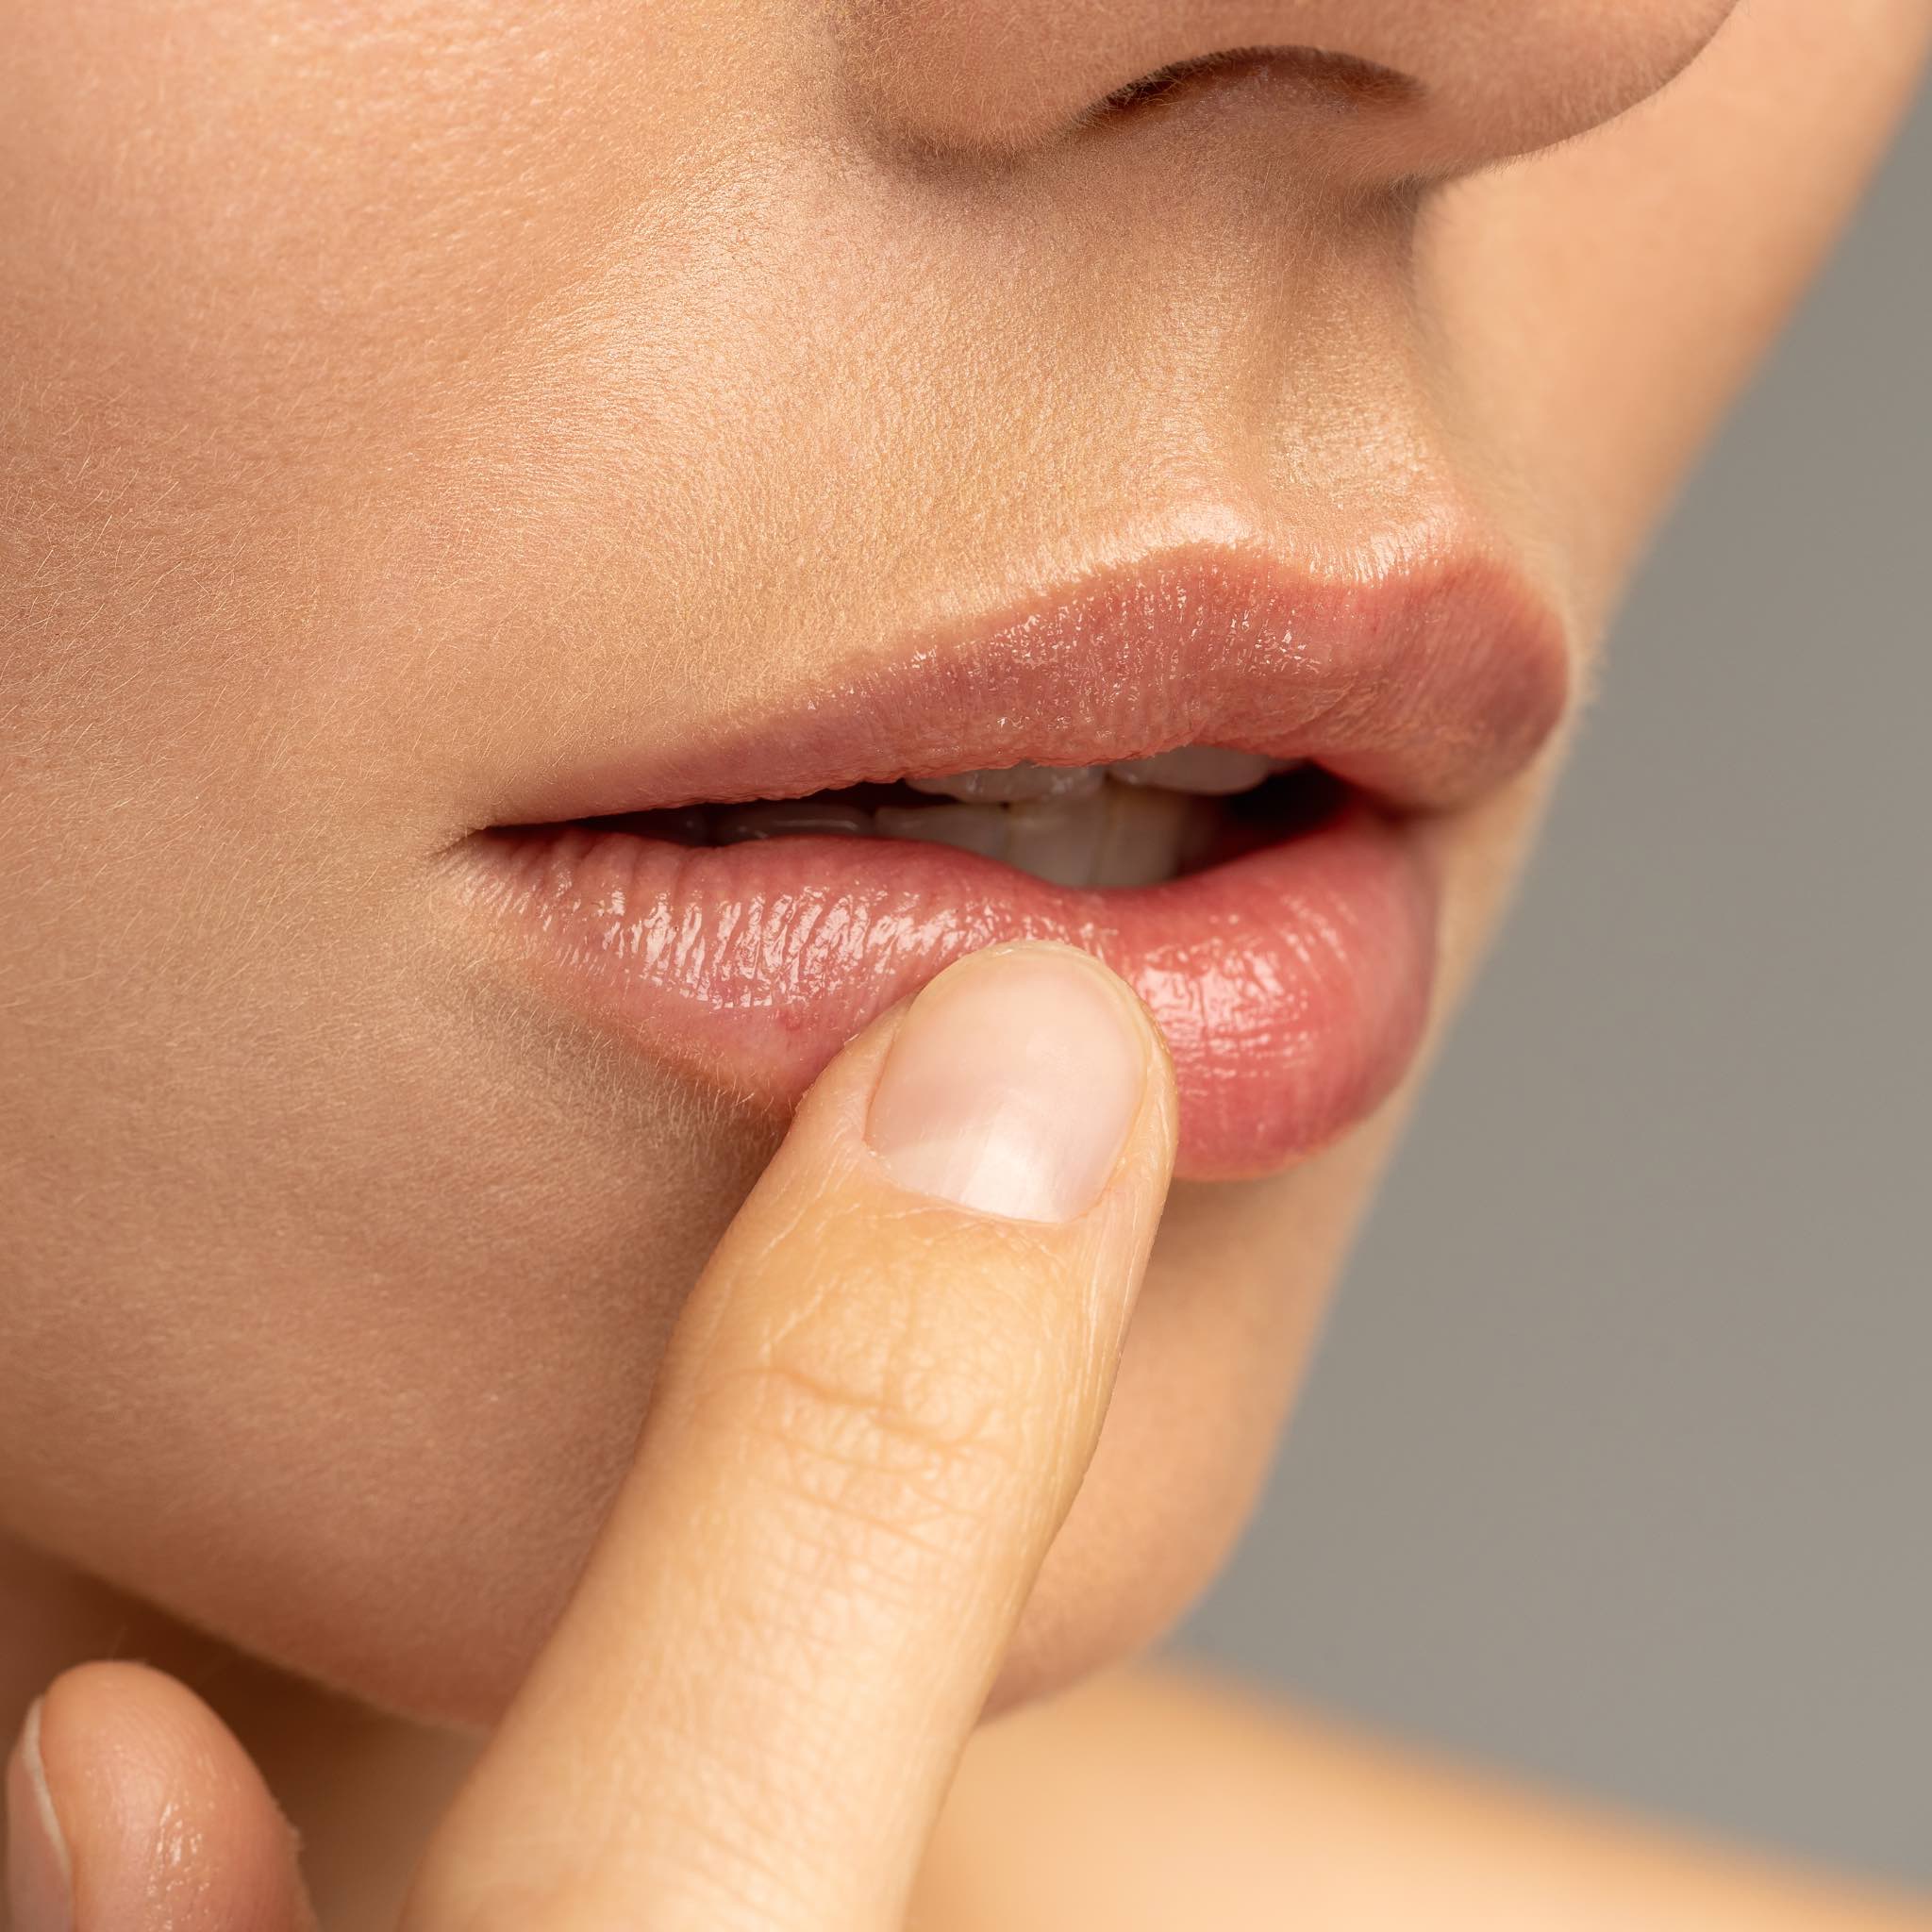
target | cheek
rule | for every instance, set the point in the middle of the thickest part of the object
(342, 1300)
(284, 288)
(345, 1337)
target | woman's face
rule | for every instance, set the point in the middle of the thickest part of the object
(422, 419)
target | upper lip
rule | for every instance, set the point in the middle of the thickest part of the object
(1424, 681)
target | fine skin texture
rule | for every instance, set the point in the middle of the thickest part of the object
(395, 407)
(872, 1420)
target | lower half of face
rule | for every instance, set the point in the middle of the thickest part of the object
(541, 605)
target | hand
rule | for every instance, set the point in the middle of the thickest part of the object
(876, 1410)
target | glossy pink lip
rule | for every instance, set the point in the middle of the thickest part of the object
(1291, 984)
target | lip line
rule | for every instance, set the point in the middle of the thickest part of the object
(1422, 684)
(1293, 985)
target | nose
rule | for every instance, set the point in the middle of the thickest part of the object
(1379, 88)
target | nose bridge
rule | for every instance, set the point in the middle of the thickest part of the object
(1428, 87)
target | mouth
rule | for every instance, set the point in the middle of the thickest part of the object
(1216, 773)
(1134, 822)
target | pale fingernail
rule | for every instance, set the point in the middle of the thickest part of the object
(1012, 1084)
(39, 1885)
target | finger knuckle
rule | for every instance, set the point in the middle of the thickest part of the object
(896, 1440)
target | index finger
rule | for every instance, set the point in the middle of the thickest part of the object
(874, 1417)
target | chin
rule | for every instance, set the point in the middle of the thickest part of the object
(411, 1598)
(407, 1473)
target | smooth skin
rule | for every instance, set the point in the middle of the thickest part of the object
(394, 409)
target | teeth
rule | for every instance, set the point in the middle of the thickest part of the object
(1012, 783)
(1063, 823)
(1202, 768)
(791, 818)
(980, 828)
(1120, 838)
(1144, 835)
(1058, 839)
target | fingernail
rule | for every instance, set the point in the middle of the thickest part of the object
(1012, 1084)
(39, 1885)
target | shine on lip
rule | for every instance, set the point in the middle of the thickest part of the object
(1291, 984)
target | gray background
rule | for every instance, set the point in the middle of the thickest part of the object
(1613, 1467)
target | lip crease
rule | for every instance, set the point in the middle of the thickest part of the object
(1293, 984)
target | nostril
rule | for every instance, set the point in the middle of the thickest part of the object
(1358, 82)
(1377, 94)
(1165, 82)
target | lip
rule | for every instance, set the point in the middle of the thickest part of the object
(1293, 984)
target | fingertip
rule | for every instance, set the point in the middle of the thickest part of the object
(161, 1817)
(1017, 1082)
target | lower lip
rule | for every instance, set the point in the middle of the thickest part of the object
(1291, 985)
